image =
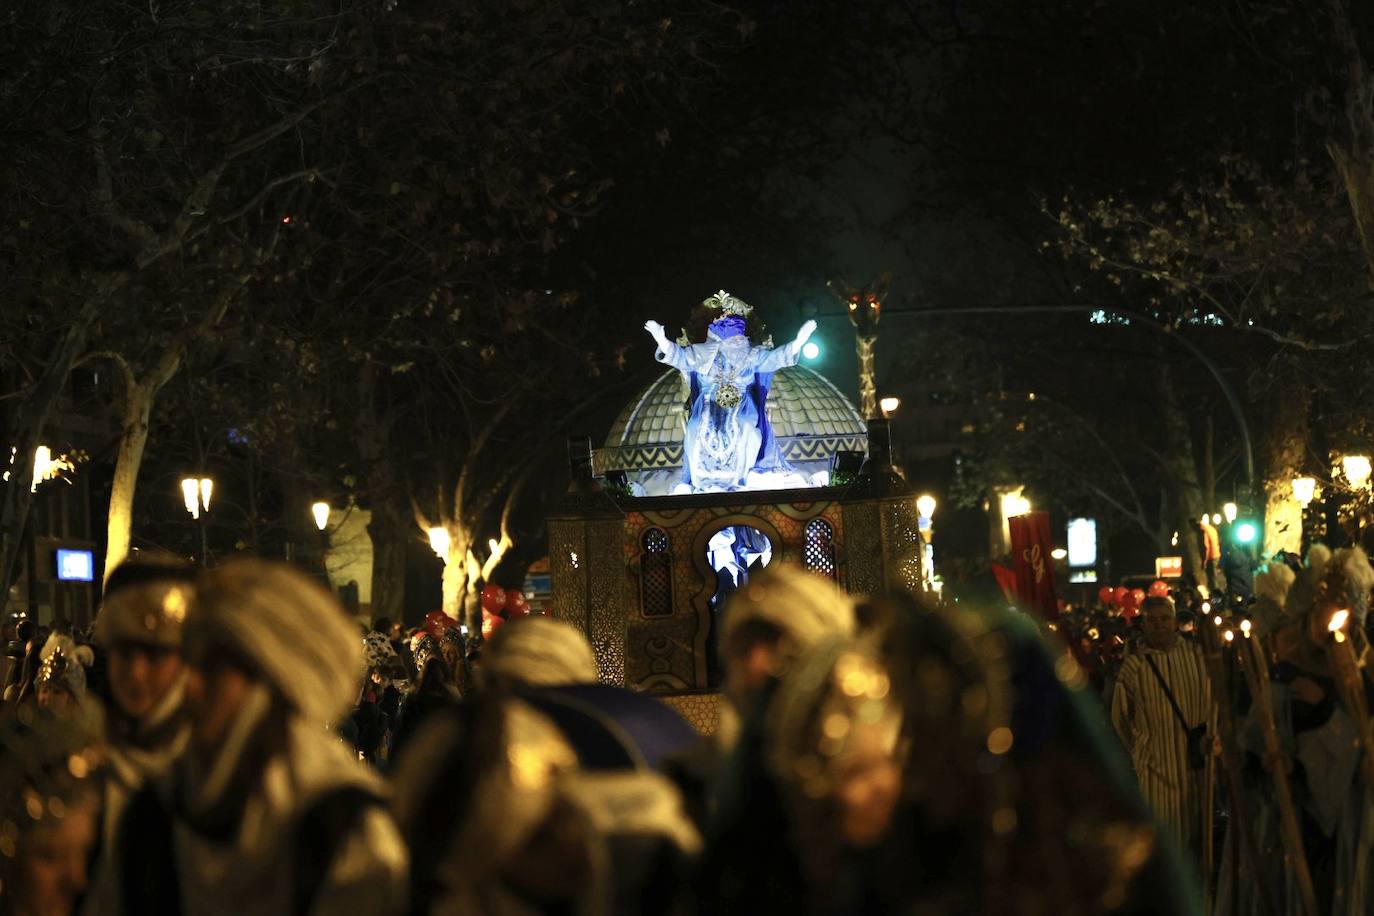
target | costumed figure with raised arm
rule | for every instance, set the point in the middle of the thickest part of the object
(728, 436)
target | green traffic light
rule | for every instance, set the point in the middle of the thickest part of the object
(811, 349)
(1246, 532)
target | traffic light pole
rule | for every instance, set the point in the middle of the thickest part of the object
(1232, 400)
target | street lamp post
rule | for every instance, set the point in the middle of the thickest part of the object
(319, 512)
(1356, 470)
(195, 495)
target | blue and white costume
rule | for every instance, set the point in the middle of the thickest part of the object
(728, 434)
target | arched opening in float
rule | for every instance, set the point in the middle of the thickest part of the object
(733, 553)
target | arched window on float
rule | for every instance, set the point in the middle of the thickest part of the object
(819, 553)
(655, 574)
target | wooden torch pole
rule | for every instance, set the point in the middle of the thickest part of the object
(1243, 849)
(1256, 668)
(1340, 651)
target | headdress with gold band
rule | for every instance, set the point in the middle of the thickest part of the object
(147, 613)
(733, 312)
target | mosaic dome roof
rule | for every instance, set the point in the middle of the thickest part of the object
(811, 418)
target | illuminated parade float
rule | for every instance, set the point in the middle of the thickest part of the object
(735, 458)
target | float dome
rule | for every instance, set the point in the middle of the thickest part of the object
(811, 418)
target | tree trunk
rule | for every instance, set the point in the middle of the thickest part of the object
(1180, 470)
(1351, 140)
(30, 420)
(1356, 168)
(138, 408)
(389, 533)
(455, 579)
(391, 527)
(1283, 450)
(1209, 466)
(139, 398)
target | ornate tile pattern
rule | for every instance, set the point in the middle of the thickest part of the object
(802, 402)
(701, 710)
(860, 548)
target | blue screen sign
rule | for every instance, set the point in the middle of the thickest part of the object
(75, 565)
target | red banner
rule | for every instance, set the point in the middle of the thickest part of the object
(1006, 581)
(1030, 549)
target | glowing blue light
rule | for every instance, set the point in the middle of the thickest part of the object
(1246, 532)
(811, 349)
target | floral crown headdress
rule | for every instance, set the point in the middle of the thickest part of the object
(727, 304)
(733, 312)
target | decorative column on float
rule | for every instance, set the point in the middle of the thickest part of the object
(586, 532)
(883, 545)
(864, 306)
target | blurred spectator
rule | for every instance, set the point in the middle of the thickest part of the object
(536, 651)
(60, 684)
(504, 821)
(266, 813)
(49, 809)
(780, 614)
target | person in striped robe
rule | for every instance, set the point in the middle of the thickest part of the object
(1151, 732)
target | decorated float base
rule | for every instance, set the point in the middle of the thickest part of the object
(648, 578)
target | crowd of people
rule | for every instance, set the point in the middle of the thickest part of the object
(228, 741)
(1246, 721)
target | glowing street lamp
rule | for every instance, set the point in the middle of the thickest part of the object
(1014, 504)
(45, 466)
(196, 493)
(889, 405)
(439, 541)
(925, 505)
(1304, 490)
(321, 512)
(811, 350)
(1357, 470)
(42, 465)
(1230, 510)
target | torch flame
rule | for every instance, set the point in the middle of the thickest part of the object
(1338, 620)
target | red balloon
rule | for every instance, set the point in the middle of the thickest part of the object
(1159, 589)
(1106, 595)
(515, 598)
(493, 598)
(1120, 595)
(1129, 606)
(491, 623)
(1138, 596)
